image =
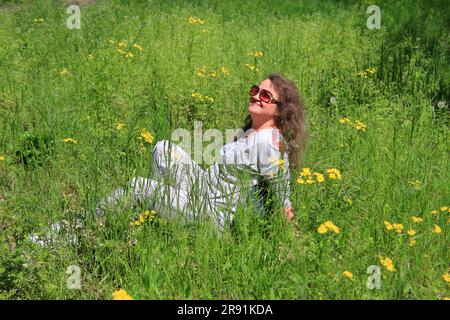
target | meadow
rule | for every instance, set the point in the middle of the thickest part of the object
(81, 110)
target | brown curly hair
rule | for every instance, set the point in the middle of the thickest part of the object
(290, 118)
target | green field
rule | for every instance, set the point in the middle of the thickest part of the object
(58, 83)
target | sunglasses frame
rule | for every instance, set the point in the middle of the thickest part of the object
(272, 99)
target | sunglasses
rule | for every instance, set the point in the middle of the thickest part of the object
(264, 95)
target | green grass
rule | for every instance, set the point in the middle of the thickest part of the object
(321, 45)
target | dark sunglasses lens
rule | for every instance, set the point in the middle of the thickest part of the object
(254, 90)
(265, 96)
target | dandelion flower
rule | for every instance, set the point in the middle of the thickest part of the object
(416, 219)
(38, 21)
(388, 225)
(213, 74)
(437, 229)
(136, 46)
(347, 274)
(334, 173)
(122, 44)
(120, 125)
(322, 229)
(387, 263)
(398, 227)
(224, 70)
(64, 72)
(305, 172)
(121, 294)
(344, 120)
(70, 140)
(446, 277)
(147, 136)
(2, 158)
(411, 232)
(300, 181)
(328, 226)
(434, 212)
(444, 208)
(319, 177)
(129, 55)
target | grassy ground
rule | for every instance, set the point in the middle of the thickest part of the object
(57, 83)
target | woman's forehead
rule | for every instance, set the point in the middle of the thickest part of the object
(267, 84)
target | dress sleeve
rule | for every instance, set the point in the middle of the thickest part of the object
(273, 164)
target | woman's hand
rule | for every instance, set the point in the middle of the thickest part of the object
(289, 213)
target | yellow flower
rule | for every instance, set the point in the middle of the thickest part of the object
(111, 41)
(120, 125)
(444, 208)
(305, 172)
(255, 54)
(328, 225)
(70, 140)
(416, 184)
(90, 57)
(129, 55)
(344, 120)
(203, 30)
(121, 51)
(278, 162)
(446, 277)
(213, 74)
(121, 294)
(251, 67)
(319, 177)
(334, 174)
(2, 158)
(309, 181)
(123, 44)
(416, 219)
(437, 229)
(411, 232)
(347, 274)
(300, 181)
(38, 21)
(224, 70)
(201, 72)
(64, 72)
(434, 212)
(398, 227)
(388, 225)
(412, 242)
(193, 20)
(387, 263)
(136, 46)
(147, 136)
(360, 126)
(349, 200)
(322, 229)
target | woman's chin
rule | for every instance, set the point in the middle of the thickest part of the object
(254, 108)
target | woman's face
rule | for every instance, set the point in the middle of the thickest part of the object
(262, 110)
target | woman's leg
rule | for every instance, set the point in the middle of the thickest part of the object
(172, 162)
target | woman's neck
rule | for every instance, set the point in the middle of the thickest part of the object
(258, 125)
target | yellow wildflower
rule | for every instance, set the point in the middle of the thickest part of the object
(120, 125)
(416, 219)
(2, 158)
(344, 120)
(319, 177)
(412, 242)
(64, 72)
(334, 173)
(388, 225)
(398, 227)
(434, 212)
(437, 229)
(411, 232)
(90, 57)
(446, 277)
(201, 72)
(38, 21)
(121, 51)
(136, 46)
(129, 55)
(360, 125)
(121, 294)
(328, 225)
(147, 136)
(213, 74)
(387, 263)
(70, 140)
(250, 66)
(347, 274)
(224, 70)
(300, 181)
(305, 172)
(203, 30)
(444, 208)
(123, 44)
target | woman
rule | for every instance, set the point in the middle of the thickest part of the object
(274, 140)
